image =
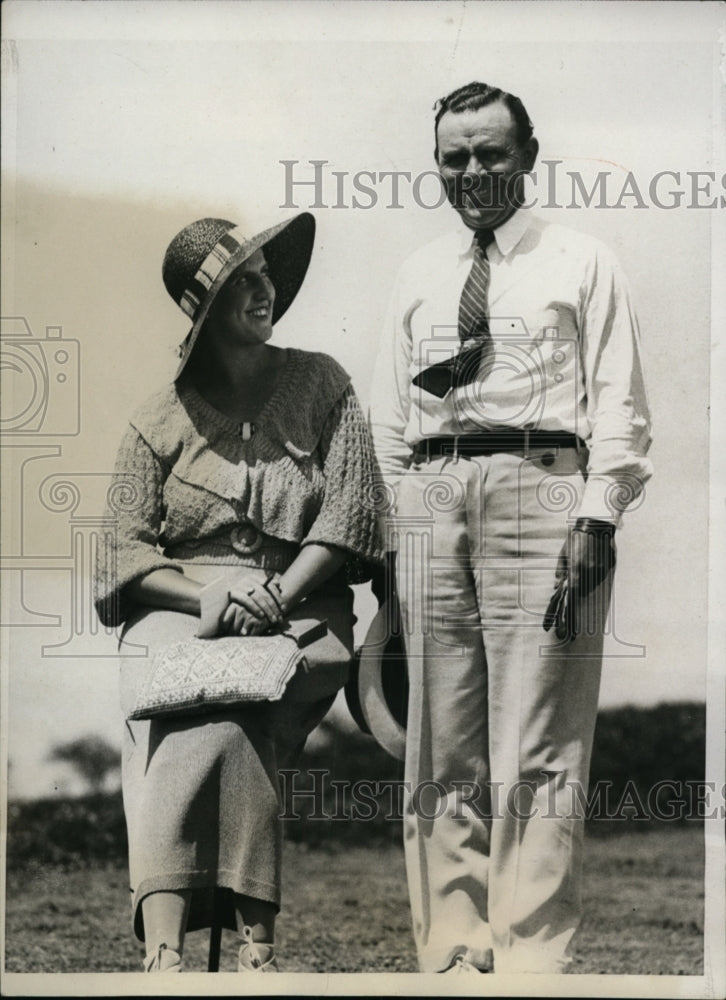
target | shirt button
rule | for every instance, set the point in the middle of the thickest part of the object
(548, 458)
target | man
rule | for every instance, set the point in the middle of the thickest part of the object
(511, 426)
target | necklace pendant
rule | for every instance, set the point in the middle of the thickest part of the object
(246, 430)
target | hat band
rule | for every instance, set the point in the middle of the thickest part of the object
(210, 269)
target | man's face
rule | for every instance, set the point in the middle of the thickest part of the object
(483, 165)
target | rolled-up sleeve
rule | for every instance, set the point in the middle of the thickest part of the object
(617, 404)
(133, 518)
(347, 517)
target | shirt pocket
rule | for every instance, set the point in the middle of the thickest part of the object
(556, 324)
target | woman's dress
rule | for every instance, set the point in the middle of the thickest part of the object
(195, 492)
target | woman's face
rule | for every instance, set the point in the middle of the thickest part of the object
(242, 311)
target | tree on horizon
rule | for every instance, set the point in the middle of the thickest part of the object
(92, 757)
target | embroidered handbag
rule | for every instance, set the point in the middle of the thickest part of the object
(197, 675)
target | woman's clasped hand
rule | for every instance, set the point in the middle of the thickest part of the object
(248, 604)
(255, 607)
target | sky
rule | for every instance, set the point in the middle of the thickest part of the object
(123, 122)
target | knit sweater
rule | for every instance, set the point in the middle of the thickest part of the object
(184, 473)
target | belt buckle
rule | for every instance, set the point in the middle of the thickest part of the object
(245, 538)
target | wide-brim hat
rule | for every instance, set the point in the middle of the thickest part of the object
(201, 258)
(377, 690)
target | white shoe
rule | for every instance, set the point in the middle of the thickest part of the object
(163, 960)
(461, 964)
(254, 956)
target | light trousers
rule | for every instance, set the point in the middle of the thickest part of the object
(501, 713)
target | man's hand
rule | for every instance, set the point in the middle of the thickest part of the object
(586, 559)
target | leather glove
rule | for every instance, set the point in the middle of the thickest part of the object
(586, 559)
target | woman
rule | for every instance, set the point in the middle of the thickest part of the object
(255, 463)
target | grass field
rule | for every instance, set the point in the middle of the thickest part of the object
(346, 910)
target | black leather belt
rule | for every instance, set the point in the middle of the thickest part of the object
(491, 442)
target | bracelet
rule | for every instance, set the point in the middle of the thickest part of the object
(595, 526)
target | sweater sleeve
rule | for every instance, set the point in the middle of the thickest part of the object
(129, 547)
(347, 517)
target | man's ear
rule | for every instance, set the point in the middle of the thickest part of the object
(530, 150)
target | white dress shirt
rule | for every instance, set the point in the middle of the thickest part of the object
(567, 356)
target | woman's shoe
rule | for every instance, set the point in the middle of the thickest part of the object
(461, 964)
(254, 956)
(163, 960)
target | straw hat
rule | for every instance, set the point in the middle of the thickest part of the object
(377, 691)
(204, 254)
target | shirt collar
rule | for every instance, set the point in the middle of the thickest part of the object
(506, 236)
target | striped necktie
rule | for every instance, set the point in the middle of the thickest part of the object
(473, 310)
(474, 337)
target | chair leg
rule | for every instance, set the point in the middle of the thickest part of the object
(215, 944)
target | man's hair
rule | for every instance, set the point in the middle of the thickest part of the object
(476, 95)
